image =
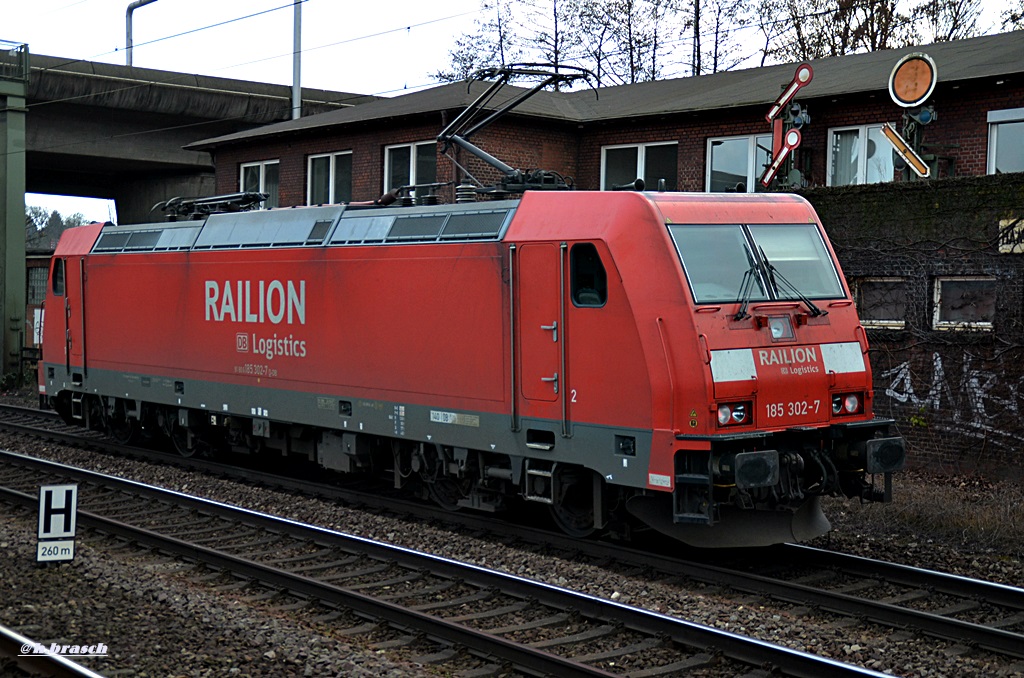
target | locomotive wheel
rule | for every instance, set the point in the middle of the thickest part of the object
(446, 492)
(120, 426)
(573, 505)
(181, 440)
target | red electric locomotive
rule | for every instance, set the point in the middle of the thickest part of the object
(691, 360)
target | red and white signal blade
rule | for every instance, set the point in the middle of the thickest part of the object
(804, 74)
(789, 144)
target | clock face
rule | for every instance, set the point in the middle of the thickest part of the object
(912, 80)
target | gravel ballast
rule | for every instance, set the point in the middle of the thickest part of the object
(233, 626)
(154, 622)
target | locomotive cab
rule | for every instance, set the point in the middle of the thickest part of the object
(788, 382)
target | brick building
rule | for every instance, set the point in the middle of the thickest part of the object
(936, 265)
(705, 133)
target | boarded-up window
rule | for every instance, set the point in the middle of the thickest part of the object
(882, 302)
(964, 303)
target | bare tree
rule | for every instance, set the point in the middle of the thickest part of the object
(623, 41)
(771, 23)
(724, 16)
(710, 25)
(597, 29)
(826, 28)
(944, 20)
(880, 25)
(634, 32)
(1013, 16)
(493, 43)
(816, 28)
(697, 51)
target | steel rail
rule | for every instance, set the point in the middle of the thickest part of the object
(943, 582)
(740, 648)
(497, 648)
(36, 659)
(1000, 640)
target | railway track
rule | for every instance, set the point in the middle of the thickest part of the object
(976, 613)
(35, 659)
(497, 618)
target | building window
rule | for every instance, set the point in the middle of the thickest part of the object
(735, 164)
(1006, 141)
(262, 177)
(37, 285)
(622, 165)
(329, 179)
(964, 303)
(859, 155)
(410, 164)
(881, 302)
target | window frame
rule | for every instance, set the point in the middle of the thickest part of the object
(753, 175)
(332, 198)
(412, 146)
(878, 323)
(58, 282)
(950, 325)
(37, 285)
(587, 272)
(862, 155)
(995, 119)
(273, 200)
(641, 160)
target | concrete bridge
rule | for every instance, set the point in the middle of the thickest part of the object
(108, 131)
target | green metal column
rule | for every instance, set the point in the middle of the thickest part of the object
(14, 68)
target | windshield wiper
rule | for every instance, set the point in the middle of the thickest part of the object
(775, 277)
(746, 286)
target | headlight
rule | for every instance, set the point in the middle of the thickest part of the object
(846, 403)
(733, 414)
(724, 415)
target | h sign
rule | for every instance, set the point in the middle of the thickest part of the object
(58, 506)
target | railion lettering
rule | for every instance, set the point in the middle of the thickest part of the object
(247, 301)
(788, 356)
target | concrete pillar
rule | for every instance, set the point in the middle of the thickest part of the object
(13, 81)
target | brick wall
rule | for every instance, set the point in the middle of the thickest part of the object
(960, 133)
(521, 144)
(955, 394)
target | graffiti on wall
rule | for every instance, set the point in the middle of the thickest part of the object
(966, 403)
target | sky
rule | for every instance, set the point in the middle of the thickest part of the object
(348, 46)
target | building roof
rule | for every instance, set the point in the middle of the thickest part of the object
(960, 60)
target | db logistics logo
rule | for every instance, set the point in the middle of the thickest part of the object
(242, 342)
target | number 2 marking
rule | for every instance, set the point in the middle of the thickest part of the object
(573, 399)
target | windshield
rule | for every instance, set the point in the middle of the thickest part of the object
(719, 259)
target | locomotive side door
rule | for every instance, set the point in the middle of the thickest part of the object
(539, 326)
(74, 311)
